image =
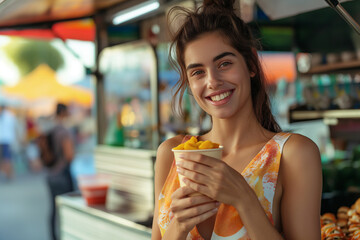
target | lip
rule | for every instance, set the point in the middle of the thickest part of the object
(220, 92)
(223, 101)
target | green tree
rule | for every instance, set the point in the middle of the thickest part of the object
(28, 54)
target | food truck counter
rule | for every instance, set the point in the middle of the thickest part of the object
(80, 221)
(129, 206)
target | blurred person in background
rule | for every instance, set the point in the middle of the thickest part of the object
(32, 151)
(19, 160)
(8, 137)
(59, 177)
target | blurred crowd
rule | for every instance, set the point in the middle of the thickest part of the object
(19, 132)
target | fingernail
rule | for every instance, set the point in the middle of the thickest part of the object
(179, 170)
(217, 204)
(214, 210)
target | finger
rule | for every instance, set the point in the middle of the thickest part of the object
(200, 218)
(198, 187)
(199, 158)
(193, 166)
(188, 202)
(182, 192)
(194, 176)
(195, 211)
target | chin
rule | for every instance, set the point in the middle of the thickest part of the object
(222, 115)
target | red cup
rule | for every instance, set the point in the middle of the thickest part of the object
(94, 188)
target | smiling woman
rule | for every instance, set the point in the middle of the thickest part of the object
(248, 194)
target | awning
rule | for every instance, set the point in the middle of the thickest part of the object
(78, 30)
(42, 84)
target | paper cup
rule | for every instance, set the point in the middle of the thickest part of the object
(213, 152)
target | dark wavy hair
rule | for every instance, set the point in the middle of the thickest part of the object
(219, 16)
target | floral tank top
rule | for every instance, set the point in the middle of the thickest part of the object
(261, 174)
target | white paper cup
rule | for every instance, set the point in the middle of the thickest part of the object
(213, 152)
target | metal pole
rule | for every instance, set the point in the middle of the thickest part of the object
(344, 14)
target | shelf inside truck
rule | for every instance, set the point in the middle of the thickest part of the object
(306, 115)
(333, 67)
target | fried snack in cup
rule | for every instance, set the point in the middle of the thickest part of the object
(194, 146)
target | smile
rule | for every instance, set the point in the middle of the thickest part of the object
(220, 97)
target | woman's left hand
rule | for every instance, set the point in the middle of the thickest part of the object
(213, 178)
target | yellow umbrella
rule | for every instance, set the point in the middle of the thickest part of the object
(42, 83)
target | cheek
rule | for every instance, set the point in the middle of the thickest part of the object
(241, 79)
(239, 75)
(194, 87)
(196, 92)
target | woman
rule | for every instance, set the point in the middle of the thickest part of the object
(249, 194)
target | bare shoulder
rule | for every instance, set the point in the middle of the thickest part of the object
(299, 145)
(166, 146)
(164, 155)
(301, 155)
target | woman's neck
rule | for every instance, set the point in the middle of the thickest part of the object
(236, 133)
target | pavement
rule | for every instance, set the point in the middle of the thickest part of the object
(24, 207)
(25, 204)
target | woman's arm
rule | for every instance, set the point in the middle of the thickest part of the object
(164, 158)
(302, 187)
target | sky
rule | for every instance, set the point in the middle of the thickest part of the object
(73, 70)
(9, 73)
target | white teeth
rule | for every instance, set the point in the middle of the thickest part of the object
(219, 97)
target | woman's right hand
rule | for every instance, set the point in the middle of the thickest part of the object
(188, 211)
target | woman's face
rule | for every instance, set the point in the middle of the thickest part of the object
(218, 76)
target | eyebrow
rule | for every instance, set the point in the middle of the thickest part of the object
(224, 54)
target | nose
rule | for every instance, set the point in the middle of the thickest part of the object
(213, 79)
